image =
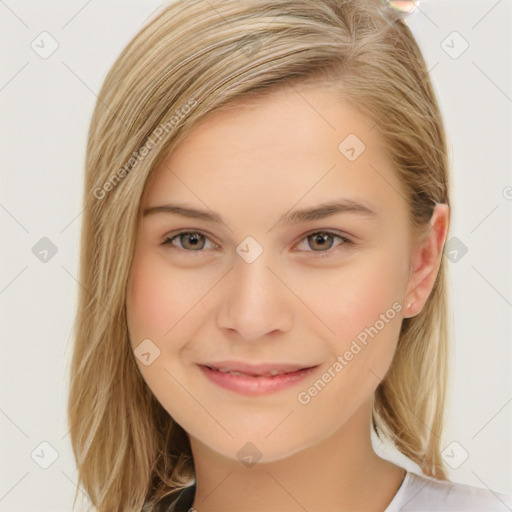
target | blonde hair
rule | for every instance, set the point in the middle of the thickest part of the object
(193, 58)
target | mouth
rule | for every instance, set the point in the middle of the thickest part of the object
(254, 380)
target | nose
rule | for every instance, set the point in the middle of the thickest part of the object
(255, 300)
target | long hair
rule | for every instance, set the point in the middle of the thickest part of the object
(193, 58)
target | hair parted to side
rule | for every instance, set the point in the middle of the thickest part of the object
(193, 58)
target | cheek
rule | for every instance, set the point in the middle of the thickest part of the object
(156, 310)
(361, 304)
(353, 297)
(165, 303)
(364, 312)
(152, 302)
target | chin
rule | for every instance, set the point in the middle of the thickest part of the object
(260, 447)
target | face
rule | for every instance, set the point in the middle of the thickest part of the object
(257, 286)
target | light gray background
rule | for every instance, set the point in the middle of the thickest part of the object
(46, 106)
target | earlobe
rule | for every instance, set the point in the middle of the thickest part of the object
(426, 261)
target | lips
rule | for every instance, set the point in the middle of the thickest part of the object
(255, 380)
(272, 373)
(257, 370)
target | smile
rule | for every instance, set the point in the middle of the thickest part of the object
(255, 380)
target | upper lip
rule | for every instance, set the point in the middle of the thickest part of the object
(256, 369)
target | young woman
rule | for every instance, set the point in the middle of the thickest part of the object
(262, 280)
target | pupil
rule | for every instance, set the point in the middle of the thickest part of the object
(193, 239)
(321, 238)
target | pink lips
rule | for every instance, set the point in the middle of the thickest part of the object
(254, 380)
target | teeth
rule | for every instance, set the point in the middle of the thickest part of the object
(225, 370)
(273, 373)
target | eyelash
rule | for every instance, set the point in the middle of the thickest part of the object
(319, 254)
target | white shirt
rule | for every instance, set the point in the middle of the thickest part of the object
(426, 494)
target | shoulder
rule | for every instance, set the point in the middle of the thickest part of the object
(420, 493)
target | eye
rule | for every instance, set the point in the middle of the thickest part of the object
(191, 241)
(195, 241)
(322, 242)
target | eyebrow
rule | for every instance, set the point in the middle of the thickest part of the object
(320, 211)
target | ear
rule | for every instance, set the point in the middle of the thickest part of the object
(426, 259)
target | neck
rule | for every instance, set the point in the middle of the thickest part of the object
(340, 473)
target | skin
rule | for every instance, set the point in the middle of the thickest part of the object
(251, 163)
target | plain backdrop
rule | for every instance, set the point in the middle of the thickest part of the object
(46, 105)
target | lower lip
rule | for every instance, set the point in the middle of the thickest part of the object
(255, 386)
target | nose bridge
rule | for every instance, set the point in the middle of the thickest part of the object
(254, 301)
(253, 280)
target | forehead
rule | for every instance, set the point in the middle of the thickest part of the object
(290, 122)
(298, 143)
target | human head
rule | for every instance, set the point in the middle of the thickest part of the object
(170, 77)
